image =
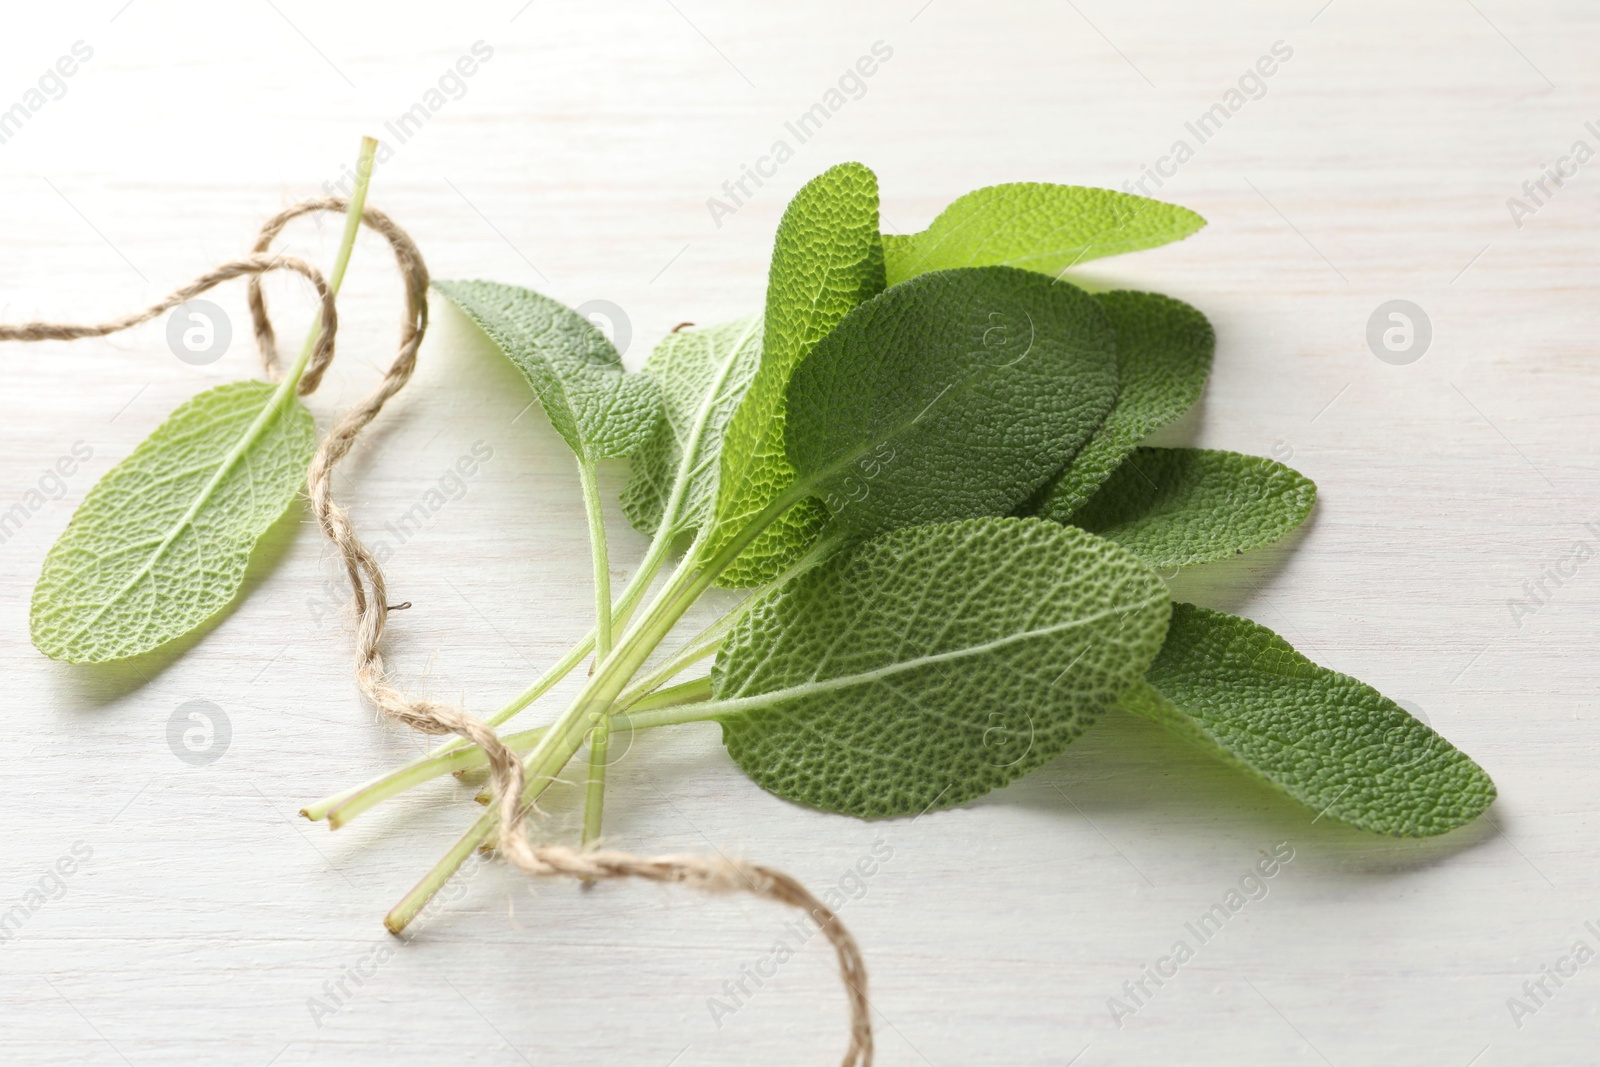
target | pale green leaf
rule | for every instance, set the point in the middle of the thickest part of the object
(1333, 743)
(575, 372)
(1177, 506)
(827, 259)
(1164, 349)
(703, 375)
(934, 663)
(160, 543)
(955, 395)
(1036, 226)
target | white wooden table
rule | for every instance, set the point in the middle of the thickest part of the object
(1376, 166)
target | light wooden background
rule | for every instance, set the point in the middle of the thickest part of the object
(1376, 166)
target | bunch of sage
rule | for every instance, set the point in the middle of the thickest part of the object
(923, 458)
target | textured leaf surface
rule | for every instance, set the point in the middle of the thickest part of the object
(1036, 226)
(1164, 350)
(934, 663)
(1333, 743)
(955, 395)
(827, 259)
(575, 372)
(703, 375)
(1177, 506)
(160, 544)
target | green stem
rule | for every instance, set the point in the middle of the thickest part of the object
(630, 708)
(594, 790)
(646, 713)
(562, 741)
(709, 641)
(631, 595)
(688, 583)
(415, 774)
(660, 545)
(478, 834)
(322, 808)
(397, 919)
(697, 648)
(597, 547)
(639, 696)
(672, 715)
(341, 261)
(342, 808)
(353, 214)
(594, 796)
(643, 711)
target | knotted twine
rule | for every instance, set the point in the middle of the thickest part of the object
(711, 874)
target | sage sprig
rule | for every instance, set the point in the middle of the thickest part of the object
(160, 544)
(925, 459)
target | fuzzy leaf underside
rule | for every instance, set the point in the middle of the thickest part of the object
(160, 544)
(955, 395)
(1330, 742)
(1164, 350)
(1179, 506)
(934, 663)
(575, 372)
(1036, 226)
(703, 375)
(826, 260)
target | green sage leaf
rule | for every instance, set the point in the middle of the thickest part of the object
(934, 663)
(955, 395)
(827, 259)
(160, 544)
(575, 372)
(1177, 506)
(1164, 350)
(1333, 743)
(1036, 226)
(703, 375)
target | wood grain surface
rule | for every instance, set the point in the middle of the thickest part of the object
(1374, 164)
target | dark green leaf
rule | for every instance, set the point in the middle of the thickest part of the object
(934, 663)
(1164, 349)
(954, 395)
(1177, 506)
(1334, 744)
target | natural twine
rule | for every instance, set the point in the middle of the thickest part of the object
(710, 874)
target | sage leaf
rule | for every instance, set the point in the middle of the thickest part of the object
(1333, 743)
(955, 395)
(703, 375)
(575, 372)
(161, 542)
(827, 259)
(1164, 350)
(933, 664)
(1036, 226)
(1177, 506)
